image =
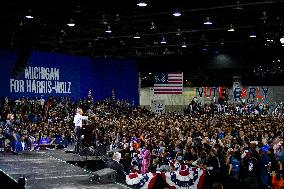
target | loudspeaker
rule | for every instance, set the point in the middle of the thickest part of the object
(104, 176)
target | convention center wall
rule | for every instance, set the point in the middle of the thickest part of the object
(51, 74)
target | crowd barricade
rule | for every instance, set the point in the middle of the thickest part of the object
(189, 178)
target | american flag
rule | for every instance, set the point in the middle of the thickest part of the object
(168, 83)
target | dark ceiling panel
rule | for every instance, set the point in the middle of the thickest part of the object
(48, 29)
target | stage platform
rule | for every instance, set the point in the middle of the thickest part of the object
(49, 169)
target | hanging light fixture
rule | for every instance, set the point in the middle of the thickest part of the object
(104, 20)
(152, 26)
(29, 15)
(222, 42)
(178, 33)
(71, 23)
(238, 6)
(108, 30)
(231, 28)
(163, 40)
(282, 40)
(252, 35)
(141, 4)
(117, 17)
(207, 21)
(177, 13)
(137, 36)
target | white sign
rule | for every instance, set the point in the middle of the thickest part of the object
(158, 106)
(40, 80)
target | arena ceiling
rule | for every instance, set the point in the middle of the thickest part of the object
(184, 35)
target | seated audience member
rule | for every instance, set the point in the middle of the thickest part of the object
(21, 144)
(220, 137)
(44, 143)
(217, 185)
(2, 142)
(118, 167)
(164, 166)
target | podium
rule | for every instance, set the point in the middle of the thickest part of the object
(87, 131)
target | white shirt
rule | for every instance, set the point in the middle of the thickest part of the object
(78, 120)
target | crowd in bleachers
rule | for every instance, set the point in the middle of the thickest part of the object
(242, 143)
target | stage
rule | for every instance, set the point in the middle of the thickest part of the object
(50, 169)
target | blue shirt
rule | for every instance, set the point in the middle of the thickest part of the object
(44, 140)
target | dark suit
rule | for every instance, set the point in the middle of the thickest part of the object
(118, 167)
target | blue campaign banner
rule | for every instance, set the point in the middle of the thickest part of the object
(52, 74)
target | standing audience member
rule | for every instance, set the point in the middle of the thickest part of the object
(146, 155)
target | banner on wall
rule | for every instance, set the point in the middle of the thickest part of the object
(238, 92)
(40, 80)
(158, 106)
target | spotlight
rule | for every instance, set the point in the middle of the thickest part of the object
(108, 30)
(183, 45)
(231, 28)
(142, 4)
(208, 21)
(177, 13)
(71, 23)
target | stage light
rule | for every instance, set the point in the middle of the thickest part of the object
(208, 21)
(231, 28)
(183, 45)
(142, 4)
(177, 13)
(108, 30)
(71, 23)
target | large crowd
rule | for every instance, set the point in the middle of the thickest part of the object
(242, 143)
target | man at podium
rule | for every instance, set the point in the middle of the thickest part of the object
(78, 119)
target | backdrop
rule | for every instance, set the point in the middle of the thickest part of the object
(52, 74)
